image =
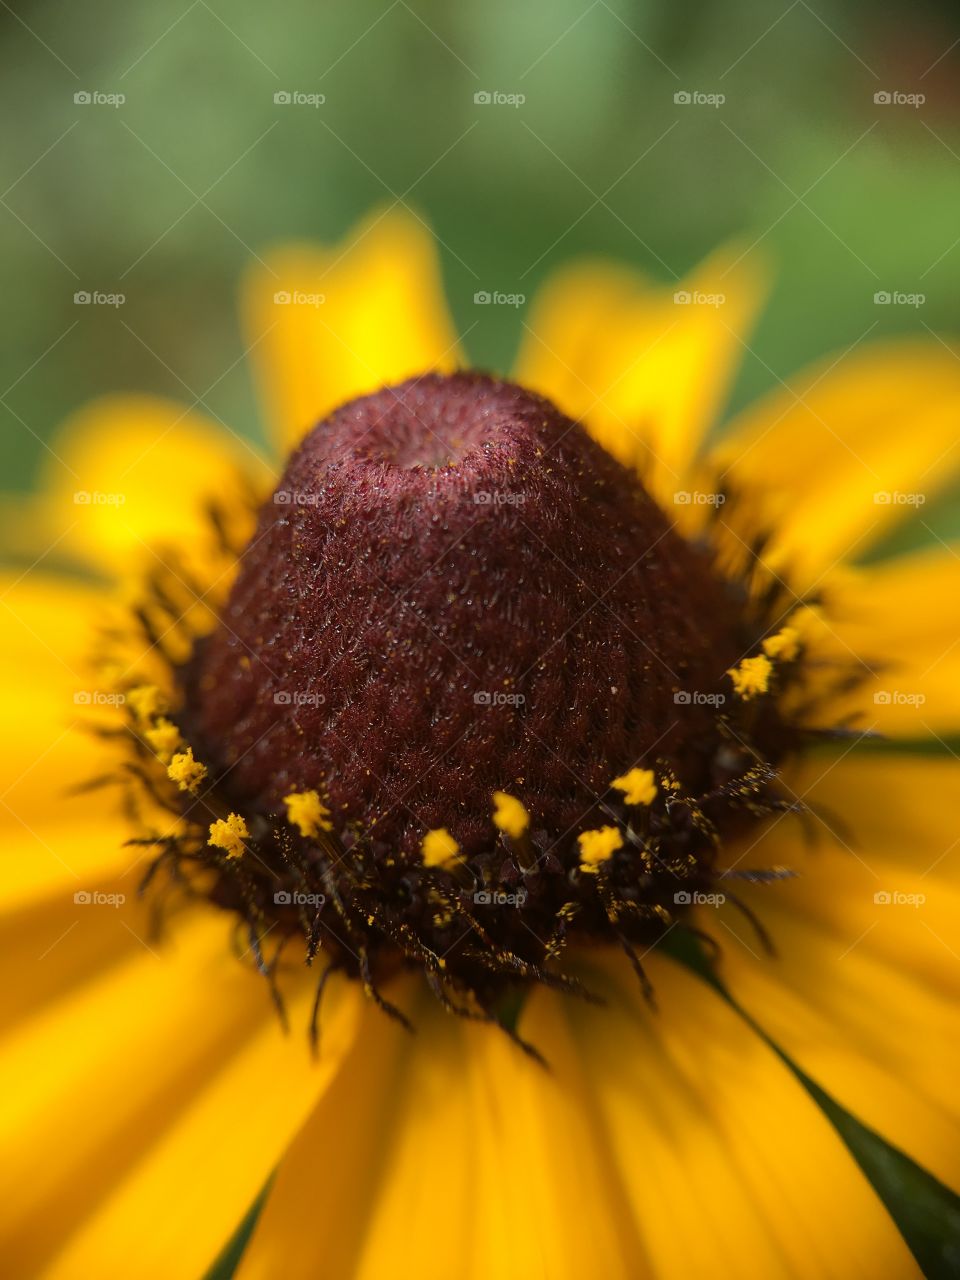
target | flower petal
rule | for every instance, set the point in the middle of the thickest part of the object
(663, 1145)
(903, 617)
(328, 324)
(143, 1112)
(645, 372)
(133, 471)
(47, 627)
(830, 467)
(863, 990)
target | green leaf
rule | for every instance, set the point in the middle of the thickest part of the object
(228, 1261)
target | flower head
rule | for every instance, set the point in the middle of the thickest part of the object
(368, 716)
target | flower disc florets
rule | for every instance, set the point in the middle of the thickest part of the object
(471, 694)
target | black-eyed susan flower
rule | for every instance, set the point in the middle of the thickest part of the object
(500, 689)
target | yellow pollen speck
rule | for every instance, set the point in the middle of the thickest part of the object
(308, 813)
(597, 846)
(229, 834)
(509, 815)
(785, 645)
(186, 772)
(638, 786)
(751, 677)
(439, 848)
(146, 701)
(165, 738)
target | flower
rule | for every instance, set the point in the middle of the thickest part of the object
(152, 1091)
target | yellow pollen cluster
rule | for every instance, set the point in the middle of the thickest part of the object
(597, 846)
(229, 834)
(509, 815)
(638, 786)
(186, 772)
(308, 813)
(165, 738)
(785, 645)
(439, 848)
(146, 701)
(751, 677)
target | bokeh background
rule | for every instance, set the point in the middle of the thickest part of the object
(166, 196)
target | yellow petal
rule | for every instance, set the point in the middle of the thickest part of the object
(700, 1112)
(457, 1155)
(52, 942)
(860, 444)
(863, 991)
(130, 472)
(50, 693)
(645, 370)
(327, 324)
(902, 617)
(144, 1111)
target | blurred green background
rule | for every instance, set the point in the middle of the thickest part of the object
(165, 197)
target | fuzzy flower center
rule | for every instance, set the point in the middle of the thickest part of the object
(472, 696)
(454, 590)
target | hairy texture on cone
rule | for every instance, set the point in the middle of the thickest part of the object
(454, 590)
